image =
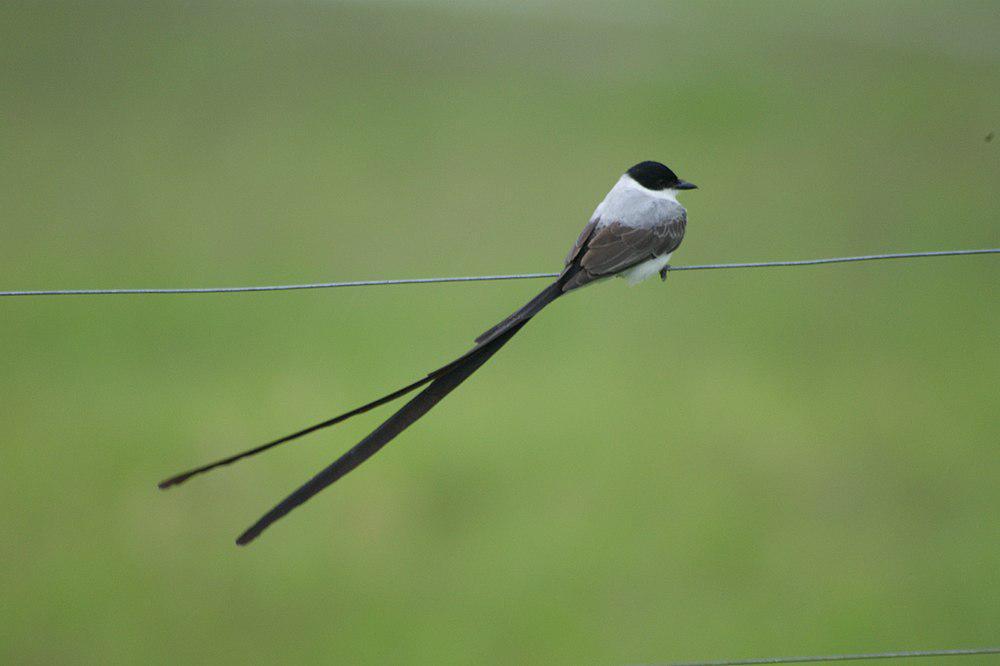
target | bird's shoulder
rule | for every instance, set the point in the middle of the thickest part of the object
(651, 232)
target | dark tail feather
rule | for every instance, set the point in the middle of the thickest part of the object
(532, 308)
(184, 476)
(442, 382)
(529, 310)
(397, 423)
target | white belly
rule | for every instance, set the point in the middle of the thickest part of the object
(646, 269)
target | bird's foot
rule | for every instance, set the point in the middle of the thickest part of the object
(663, 272)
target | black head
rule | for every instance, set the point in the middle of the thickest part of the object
(656, 176)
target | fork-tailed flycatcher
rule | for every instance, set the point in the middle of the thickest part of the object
(631, 234)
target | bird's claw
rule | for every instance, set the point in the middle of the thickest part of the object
(663, 272)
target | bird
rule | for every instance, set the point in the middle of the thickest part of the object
(632, 234)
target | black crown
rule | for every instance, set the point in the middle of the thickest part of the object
(653, 175)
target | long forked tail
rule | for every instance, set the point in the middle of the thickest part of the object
(444, 383)
(547, 295)
(397, 423)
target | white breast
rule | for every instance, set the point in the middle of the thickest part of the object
(630, 203)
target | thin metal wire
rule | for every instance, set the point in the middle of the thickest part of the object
(483, 278)
(845, 657)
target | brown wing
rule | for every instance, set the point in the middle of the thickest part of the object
(581, 242)
(606, 251)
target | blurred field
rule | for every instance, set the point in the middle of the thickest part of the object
(731, 464)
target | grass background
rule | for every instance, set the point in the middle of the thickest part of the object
(731, 464)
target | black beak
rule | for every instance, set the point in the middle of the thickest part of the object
(684, 185)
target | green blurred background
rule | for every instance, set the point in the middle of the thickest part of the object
(738, 463)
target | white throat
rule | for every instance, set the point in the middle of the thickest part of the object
(667, 195)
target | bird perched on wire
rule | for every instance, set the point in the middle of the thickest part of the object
(631, 234)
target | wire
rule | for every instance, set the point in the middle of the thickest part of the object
(483, 278)
(846, 657)
(840, 260)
